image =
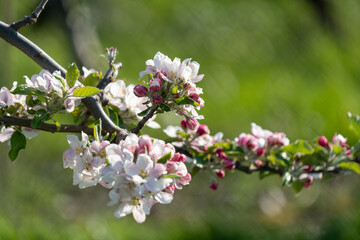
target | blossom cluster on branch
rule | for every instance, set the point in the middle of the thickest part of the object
(139, 170)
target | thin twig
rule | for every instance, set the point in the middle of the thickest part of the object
(28, 20)
(47, 127)
(106, 79)
(141, 124)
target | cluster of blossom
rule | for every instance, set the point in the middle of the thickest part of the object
(172, 83)
(255, 151)
(140, 171)
(43, 91)
(129, 105)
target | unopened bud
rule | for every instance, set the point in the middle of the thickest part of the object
(194, 96)
(155, 85)
(157, 99)
(260, 152)
(161, 75)
(171, 167)
(220, 173)
(203, 129)
(323, 141)
(145, 142)
(308, 182)
(258, 163)
(140, 90)
(229, 164)
(213, 186)
(190, 124)
(308, 168)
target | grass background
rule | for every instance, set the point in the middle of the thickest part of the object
(277, 63)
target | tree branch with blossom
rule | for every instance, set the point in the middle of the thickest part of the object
(140, 171)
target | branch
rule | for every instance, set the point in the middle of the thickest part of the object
(29, 48)
(47, 127)
(141, 124)
(107, 78)
(29, 19)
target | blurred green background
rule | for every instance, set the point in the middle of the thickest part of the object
(287, 65)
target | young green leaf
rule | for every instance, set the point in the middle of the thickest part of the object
(92, 79)
(18, 142)
(143, 113)
(86, 91)
(72, 74)
(41, 116)
(164, 158)
(185, 100)
(351, 165)
(300, 146)
(24, 89)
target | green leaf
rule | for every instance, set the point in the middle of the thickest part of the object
(41, 116)
(11, 109)
(185, 100)
(164, 158)
(172, 175)
(92, 79)
(86, 91)
(337, 149)
(165, 107)
(300, 146)
(297, 186)
(113, 115)
(143, 113)
(72, 74)
(18, 142)
(351, 165)
(24, 89)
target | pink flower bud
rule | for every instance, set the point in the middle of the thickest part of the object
(258, 163)
(308, 168)
(214, 186)
(182, 158)
(185, 180)
(260, 152)
(246, 141)
(308, 182)
(220, 173)
(203, 129)
(221, 155)
(155, 85)
(190, 124)
(140, 90)
(323, 142)
(171, 167)
(194, 96)
(170, 189)
(157, 99)
(175, 157)
(348, 152)
(145, 142)
(229, 164)
(158, 75)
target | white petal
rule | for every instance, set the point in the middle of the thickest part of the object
(144, 162)
(123, 210)
(164, 197)
(30, 133)
(6, 133)
(139, 214)
(171, 131)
